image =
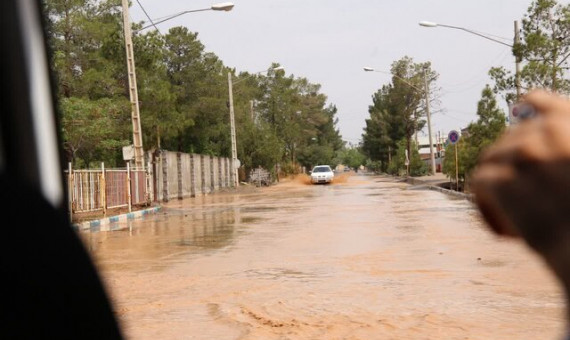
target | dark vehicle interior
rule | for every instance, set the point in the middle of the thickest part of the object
(322, 169)
(52, 289)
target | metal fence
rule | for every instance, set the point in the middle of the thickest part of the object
(102, 189)
(169, 175)
(85, 190)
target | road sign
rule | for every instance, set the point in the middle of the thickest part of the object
(237, 163)
(453, 136)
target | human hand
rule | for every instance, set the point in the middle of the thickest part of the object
(522, 183)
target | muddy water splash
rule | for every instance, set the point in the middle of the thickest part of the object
(306, 179)
(368, 259)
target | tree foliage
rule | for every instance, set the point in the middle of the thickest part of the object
(352, 157)
(544, 51)
(183, 95)
(480, 134)
(398, 166)
(397, 113)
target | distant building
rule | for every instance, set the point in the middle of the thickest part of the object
(438, 149)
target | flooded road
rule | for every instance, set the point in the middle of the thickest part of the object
(370, 258)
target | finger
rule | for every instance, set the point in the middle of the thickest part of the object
(547, 102)
(523, 143)
(485, 183)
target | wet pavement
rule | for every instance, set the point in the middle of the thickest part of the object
(367, 258)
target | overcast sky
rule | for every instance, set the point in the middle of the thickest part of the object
(329, 41)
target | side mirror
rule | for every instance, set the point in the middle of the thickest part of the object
(310, 172)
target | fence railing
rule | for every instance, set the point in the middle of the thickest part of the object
(102, 189)
(168, 175)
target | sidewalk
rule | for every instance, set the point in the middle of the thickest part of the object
(110, 223)
(436, 182)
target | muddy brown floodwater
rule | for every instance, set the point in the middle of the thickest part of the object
(366, 258)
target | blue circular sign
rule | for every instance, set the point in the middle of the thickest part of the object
(453, 136)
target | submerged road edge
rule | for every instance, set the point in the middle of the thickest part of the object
(95, 225)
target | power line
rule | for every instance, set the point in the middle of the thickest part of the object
(145, 13)
(495, 36)
(480, 75)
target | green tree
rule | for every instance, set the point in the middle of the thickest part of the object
(407, 96)
(396, 112)
(398, 166)
(544, 51)
(449, 160)
(480, 134)
(183, 95)
(300, 118)
(379, 133)
(84, 37)
(157, 100)
(67, 25)
(259, 147)
(183, 58)
(210, 133)
(351, 157)
(93, 131)
(321, 139)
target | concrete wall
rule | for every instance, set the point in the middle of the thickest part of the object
(172, 176)
(177, 175)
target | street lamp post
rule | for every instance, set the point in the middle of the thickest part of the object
(133, 92)
(428, 115)
(516, 41)
(224, 6)
(234, 162)
(425, 91)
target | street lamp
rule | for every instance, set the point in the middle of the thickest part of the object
(278, 68)
(428, 115)
(234, 163)
(223, 6)
(133, 92)
(516, 41)
(434, 24)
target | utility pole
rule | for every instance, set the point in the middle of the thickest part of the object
(234, 170)
(251, 110)
(158, 137)
(517, 60)
(133, 94)
(426, 92)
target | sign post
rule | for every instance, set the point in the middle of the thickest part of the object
(453, 138)
(407, 163)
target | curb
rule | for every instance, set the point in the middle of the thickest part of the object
(95, 225)
(469, 197)
(413, 181)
